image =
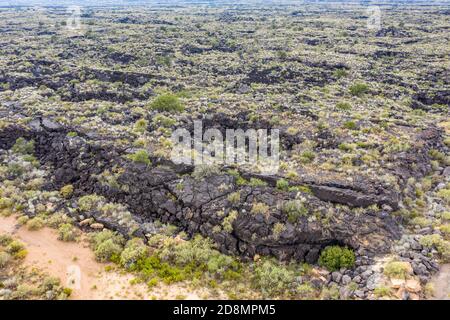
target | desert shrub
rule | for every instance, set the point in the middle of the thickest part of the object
(294, 210)
(140, 156)
(234, 197)
(162, 120)
(259, 208)
(444, 194)
(6, 203)
(23, 292)
(16, 248)
(278, 228)
(283, 184)
(204, 171)
(66, 191)
(330, 293)
(227, 223)
(153, 266)
(420, 221)
(436, 155)
(272, 279)
(343, 106)
(255, 182)
(307, 156)
(4, 259)
(23, 146)
(140, 126)
(351, 125)
(436, 241)
(5, 239)
(335, 257)
(16, 170)
(89, 202)
(445, 229)
(72, 134)
(107, 251)
(134, 251)
(107, 245)
(22, 220)
(397, 269)
(167, 102)
(67, 232)
(305, 291)
(382, 291)
(340, 73)
(57, 219)
(358, 89)
(50, 283)
(35, 224)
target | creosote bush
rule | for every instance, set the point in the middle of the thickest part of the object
(335, 257)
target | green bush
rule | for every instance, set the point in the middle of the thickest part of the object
(23, 146)
(14, 247)
(167, 102)
(351, 125)
(5, 239)
(283, 184)
(294, 210)
(234, 198)
(307, 156)
(255, 182)
(133, 252)
(107, 245)
(35, 224)
(57, 219)
(343, 106)
(272, 279)
(227, 222)
(335, 257)
(89, 202)
(140, 156)
(259, 208)
(205, 171)
(22, 220)
(67, 232)
(140, 126)
(358, 89)
(306, 291)
(66, 191)
(397, 269)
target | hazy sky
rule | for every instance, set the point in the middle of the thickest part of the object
(139, 2)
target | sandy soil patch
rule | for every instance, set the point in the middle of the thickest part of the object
(74, 263)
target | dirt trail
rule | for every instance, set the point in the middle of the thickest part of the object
(441, 283)
(74, 263)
